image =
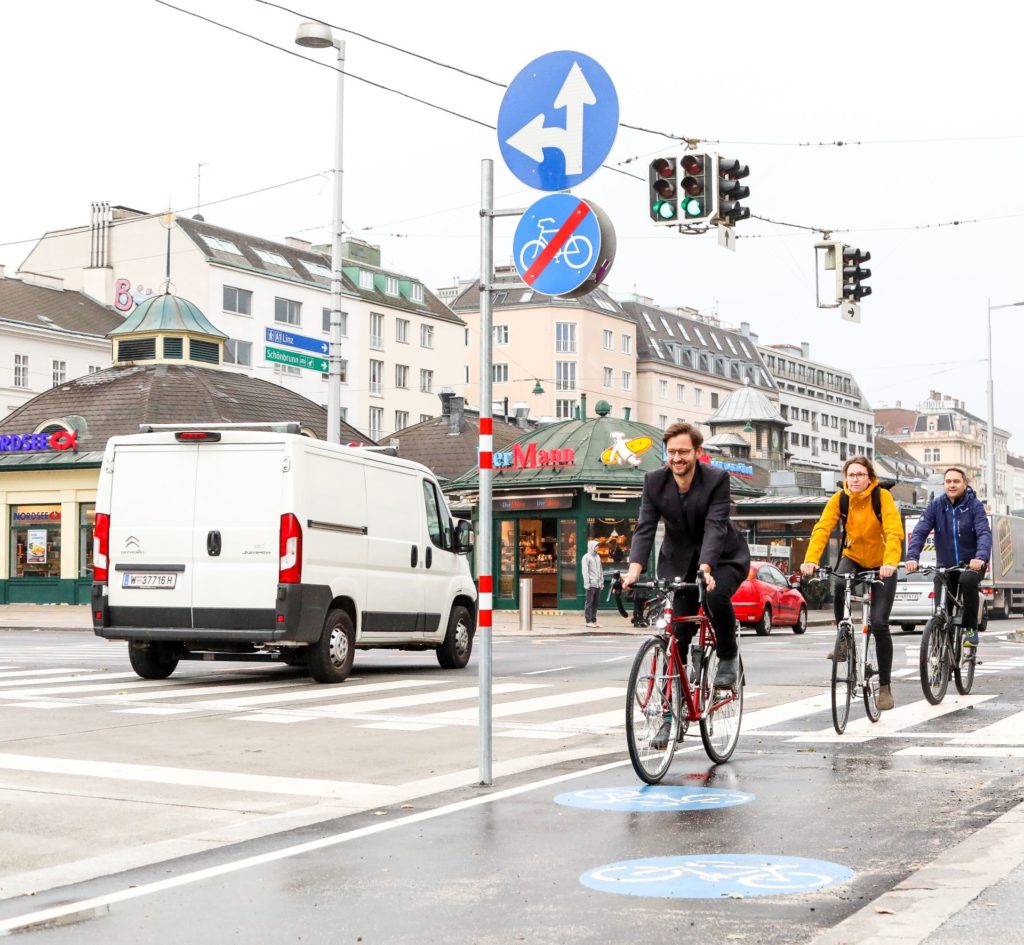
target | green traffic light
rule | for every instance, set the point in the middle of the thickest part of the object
(664, 210)
(693, 207)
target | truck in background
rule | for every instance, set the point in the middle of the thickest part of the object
(1003, 586)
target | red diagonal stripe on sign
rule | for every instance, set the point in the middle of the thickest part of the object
(558, 241)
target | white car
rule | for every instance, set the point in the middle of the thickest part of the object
(915, 600)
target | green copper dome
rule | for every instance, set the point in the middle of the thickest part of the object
(167, 313)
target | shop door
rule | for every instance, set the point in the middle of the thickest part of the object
(506, 584)
(570, 584)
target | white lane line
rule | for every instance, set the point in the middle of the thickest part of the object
(963, 751)
(618, 659)
(190, 777)
(319, 692)
(7, 689)
(538, 704)
(556, 669)
(864, 730)
(41, 672)
(773, 715)
(134, 892)
(213, 687)
(1008, 731)
(155, 710)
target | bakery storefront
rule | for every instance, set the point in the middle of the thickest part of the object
(47, 506)
(554, 490)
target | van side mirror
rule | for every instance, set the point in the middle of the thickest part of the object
(465, 539)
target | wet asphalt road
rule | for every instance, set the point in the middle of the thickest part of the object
(503, 864)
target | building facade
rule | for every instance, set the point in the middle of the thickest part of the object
(941, 433)
(400, 342)
(830, 419)
(48, 335)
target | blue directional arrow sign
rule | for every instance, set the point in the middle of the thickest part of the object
(557, 120)
(302, 342)
(563, 245)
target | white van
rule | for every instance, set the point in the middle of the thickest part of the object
(214, 542)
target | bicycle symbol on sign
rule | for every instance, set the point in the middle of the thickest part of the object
(577, 251)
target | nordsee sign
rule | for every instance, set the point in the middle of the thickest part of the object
(34, 442)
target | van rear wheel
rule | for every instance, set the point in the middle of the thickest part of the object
(454, 652)
(330, 658)
(154, 660)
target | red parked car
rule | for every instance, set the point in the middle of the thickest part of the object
(766, 599)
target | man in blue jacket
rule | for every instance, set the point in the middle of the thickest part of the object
(962, 536)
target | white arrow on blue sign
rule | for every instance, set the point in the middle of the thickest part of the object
(558, 120)
(302, 342)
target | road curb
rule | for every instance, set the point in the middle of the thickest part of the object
(921, 903)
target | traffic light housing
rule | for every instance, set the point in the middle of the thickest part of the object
(696, 193)
(663, 190)
(851, 276)
(728, 174)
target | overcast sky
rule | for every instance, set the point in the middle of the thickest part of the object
(120, 100)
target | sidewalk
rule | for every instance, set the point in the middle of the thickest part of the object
(505, 622)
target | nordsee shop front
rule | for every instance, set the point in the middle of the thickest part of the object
(47, 507)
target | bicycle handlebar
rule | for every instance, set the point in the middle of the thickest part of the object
(659, 585)
(854, 577)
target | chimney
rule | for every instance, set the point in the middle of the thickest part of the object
(295, 243)
(583, 406)
(805, 349)
(745, 329)
(625, 413)
(456, 406)
(446, 396)
(522, 413)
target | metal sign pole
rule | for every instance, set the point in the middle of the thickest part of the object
(484, 541)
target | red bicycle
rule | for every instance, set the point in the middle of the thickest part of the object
(662, 700)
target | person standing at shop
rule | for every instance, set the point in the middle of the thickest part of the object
(593, 581)
(693, 500)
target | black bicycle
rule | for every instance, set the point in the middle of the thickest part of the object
(942, 644)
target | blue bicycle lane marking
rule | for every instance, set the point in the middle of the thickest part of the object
(716, 876)
(653, 797)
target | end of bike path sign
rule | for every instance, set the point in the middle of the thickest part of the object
(564, 246)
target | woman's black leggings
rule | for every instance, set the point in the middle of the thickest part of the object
(881, 606)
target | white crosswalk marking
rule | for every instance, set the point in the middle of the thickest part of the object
(313, 694)
(1008, 731)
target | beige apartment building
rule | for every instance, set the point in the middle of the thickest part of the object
(941, 433)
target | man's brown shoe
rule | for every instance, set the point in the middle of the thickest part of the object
(885, 700)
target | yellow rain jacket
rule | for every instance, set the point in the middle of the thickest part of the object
(868, 542)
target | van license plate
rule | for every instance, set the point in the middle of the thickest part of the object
(149, 579)
(906, 597)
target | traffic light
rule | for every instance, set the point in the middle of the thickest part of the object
(729, 172)
(696, 197)
(663, 196)
(853, 276)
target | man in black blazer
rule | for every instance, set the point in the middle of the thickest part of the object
(692, 499)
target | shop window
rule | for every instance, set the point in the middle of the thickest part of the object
(614, 537)
(86, 522)
(507, 560)
(35, 541)
(567, 558)
(538, 547)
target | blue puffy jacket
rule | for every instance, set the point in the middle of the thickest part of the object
(961, 531)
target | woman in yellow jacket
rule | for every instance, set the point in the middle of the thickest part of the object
(870, 544)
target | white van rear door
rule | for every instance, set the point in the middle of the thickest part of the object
(151, 513)
(236, 531)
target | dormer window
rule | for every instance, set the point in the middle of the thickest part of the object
(365, 279)
(390, 285)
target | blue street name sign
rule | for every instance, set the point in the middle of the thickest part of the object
(563, 245)
(558, 120)
(317, 345)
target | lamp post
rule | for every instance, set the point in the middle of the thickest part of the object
(319, 36)
(990, 484)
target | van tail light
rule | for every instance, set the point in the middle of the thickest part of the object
(101, 547)
(291, 550)
(931, 595)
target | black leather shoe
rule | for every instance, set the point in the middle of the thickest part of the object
(660, 741)
(727, 674)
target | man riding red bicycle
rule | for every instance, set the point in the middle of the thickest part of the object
(693, 500)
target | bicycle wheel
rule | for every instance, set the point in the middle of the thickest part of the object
(871, 678)
(844, 678)
(934, 660)
(720, 726)
(652, 697)
(963, 664)
(529, 253)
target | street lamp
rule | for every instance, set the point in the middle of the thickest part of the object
(319, 36)
(990, 485)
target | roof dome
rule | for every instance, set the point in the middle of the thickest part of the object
(745, 405)
(163, 313)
